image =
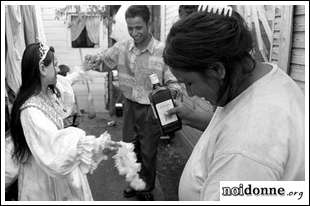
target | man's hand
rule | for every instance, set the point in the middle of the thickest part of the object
(92, 62)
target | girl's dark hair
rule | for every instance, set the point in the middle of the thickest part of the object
(64, 69)
(31, 85)
(138, 10)
(203, 38)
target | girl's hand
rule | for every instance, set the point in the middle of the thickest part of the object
(111, 146)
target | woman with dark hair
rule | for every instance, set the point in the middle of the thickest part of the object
(53, 161)
(257, 130)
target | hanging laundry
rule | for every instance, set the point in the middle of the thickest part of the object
(14, 33)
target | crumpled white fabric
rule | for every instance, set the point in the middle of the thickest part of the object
(90, 151)
(64, 84)
(11, 165)
(119, 28)
(126, 163)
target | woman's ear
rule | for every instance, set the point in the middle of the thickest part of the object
(216, 70)
(220, 70)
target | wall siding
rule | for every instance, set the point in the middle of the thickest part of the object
(170, 16)
(297, 64)
(297, 56)
(274, 54)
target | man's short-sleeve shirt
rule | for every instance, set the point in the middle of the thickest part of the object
(135, 66)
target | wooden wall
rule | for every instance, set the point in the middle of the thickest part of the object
(169, 15)
(297, 63)
(155, 20)
(288, 46)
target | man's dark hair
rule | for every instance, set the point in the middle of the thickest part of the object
(140, 11)
(188, 8)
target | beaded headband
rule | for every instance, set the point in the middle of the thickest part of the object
(43, 48)
(215, 9)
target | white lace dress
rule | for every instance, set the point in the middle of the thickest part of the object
(60, 158)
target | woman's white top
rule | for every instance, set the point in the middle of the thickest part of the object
(258, 136)
(60, 158)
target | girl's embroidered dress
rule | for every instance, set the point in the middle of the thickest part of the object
(60, 158)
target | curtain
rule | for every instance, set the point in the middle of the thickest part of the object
(92, 28)
(77, 25)
(41, 34)
(30, 24)
(14, 32)
(23, 26)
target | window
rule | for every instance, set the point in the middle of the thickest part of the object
(84, 30)
(82, 41)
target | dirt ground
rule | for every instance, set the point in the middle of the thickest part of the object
(170, 163)
(170, 160)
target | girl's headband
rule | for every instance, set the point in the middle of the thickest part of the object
(43, 48)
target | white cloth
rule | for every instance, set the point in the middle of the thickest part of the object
(11, 166)
(119, 29)
(14, 32)
(92, 28)
(64, 84)
(23, 26)
(41, 34)
(77, 24)
(259, 136)
(60, 159)
(67, 94)
(31, 27)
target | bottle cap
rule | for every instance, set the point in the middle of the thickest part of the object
(154, 78)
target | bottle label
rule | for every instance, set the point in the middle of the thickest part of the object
(162, 108)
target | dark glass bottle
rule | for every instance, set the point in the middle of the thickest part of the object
(161, 101)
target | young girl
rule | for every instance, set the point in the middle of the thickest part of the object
(53, 161)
